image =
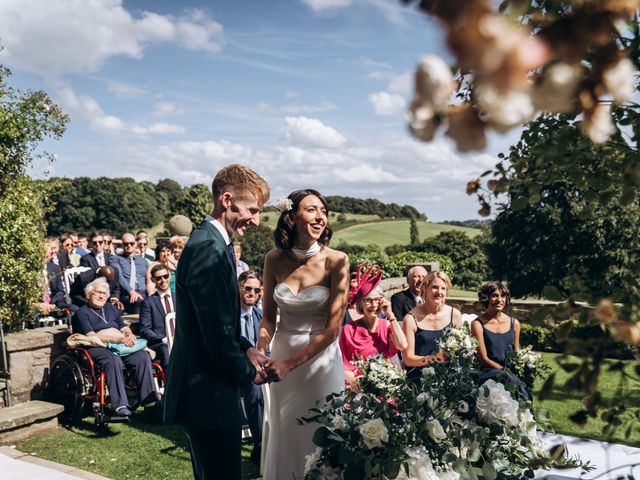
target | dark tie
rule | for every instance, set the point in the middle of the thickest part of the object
(167, 304)
(233, 255)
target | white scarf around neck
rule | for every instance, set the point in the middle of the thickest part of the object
(304, 253)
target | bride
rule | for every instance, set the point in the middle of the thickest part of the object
(308, 282)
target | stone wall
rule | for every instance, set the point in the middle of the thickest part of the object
(30, 355)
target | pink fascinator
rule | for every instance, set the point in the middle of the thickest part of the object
(368, 277)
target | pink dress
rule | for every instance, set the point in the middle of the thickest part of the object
(357, 341)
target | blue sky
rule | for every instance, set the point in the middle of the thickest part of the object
(311, 93)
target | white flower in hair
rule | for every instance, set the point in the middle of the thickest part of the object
(284, 204)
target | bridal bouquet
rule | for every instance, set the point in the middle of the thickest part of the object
(448, 428)
(528, 365)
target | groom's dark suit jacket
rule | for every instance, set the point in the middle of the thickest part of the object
(207, 364)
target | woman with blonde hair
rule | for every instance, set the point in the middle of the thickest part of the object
(427, 323)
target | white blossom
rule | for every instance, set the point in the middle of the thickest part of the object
(339, 423)
(422, 120)
(497, 406)
(598, 124)
(434, 82)
(374, 432)
(463, 407)
(311, 460)
(619, 80)
(420, 466)
(503, 109)
(435, 430)
(558, 89)
(284, 204)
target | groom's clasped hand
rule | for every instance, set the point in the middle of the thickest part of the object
(268, 370)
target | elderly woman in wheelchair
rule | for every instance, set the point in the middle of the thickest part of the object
(100, 318)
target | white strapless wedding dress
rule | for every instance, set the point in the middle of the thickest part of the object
(301, 316)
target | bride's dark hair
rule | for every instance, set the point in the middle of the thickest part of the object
(285, 232)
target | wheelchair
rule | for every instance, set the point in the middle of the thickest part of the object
(78, 384)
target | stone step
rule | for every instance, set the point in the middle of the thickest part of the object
(24, 419)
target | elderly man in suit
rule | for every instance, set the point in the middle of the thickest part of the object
(403, 302)
(97, 257)
(133, 274)
(250, 283)
(209, 361)
(153, 311)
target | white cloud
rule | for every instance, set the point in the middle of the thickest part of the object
(378, 75)
(264, 106)
(166, 109)
(55, 37)
(312, 132)
(289, 94)
(323, 106)
(385, 103)
(89, 110)
(374, 63)
(125, 90)
(402, 84)
(319, 5)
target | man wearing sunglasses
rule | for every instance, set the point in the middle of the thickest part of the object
(153, 311)
(250, 283)
(133, 275)
(97, 257)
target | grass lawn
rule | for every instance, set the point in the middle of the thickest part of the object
(393, 232)
(141, 450)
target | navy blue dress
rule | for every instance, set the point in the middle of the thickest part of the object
(426, 343)
(498, 346)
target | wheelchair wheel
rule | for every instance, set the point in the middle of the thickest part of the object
(67, 388)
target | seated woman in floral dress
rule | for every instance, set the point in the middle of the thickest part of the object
(497, 333)
(427, 323)
(375, 331)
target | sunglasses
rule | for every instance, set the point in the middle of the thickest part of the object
(143, 244)
(128, 244)
(98, 242)
(255, 290)
(161, 277)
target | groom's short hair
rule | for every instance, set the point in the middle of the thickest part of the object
(237, 178)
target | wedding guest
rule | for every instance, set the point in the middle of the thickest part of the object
(132, 272)
(65, 252)
(497, 333)
(403, 302)
(153, 311)
(109, 247)
(83, 279)
(82, 245)
(165, 258)
(240, 265)
(369, 335)
(177, 246)
(427, 323)
(142, 238)
(101, 319)
(250, 284)
(97, 257)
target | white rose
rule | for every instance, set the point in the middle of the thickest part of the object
(374, 432)
(339, 423)
(435, 430)
(448, 475)
(421, 398)
(420, 466)
(434, 82)
(558, 89)
(619, 80)
(503, 109)
(329, 473)
(428, 372)
(597, 124)
(311, 459)
(463, 406)
(497, 406)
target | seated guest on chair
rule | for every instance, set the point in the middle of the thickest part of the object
(85, 278)
(250, 282)
(369, 335)
(97, 257)
(153, 311)
(497, 333)
(165, 258)
(132, 270)
(100, 318)
(406, 300)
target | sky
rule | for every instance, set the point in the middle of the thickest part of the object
(309, 93)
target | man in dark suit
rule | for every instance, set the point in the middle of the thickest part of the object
(209, 360)
(83, 279)
(97, 257)
(153, 311)
(250, 283)
(405, 301)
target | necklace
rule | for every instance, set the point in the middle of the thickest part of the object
(304, 253)
(103, 317)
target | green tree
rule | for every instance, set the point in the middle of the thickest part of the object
(172, 190)
(26, 118)
(414, 236)
(195, 203)
(466, 253)
(256, 242)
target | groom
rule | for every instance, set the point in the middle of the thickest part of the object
(209, 360)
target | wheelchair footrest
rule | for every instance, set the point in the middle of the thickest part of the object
(115, 419)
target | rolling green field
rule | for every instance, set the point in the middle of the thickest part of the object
(393, 232)
(270, 219)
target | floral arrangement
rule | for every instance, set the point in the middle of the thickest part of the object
(447, 428)
(284, 204)
(527, 365)
(458, 343)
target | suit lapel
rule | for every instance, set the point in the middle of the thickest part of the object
(156, 302)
